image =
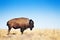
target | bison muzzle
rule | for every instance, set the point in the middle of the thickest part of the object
(22, 23)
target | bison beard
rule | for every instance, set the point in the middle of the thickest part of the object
(22, 23)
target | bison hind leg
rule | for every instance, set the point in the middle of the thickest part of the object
(9, 31)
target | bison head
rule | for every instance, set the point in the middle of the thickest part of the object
(31, 23)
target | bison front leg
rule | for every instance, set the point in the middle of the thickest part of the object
(22, 30)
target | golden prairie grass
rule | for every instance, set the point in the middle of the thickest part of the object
(45, 34)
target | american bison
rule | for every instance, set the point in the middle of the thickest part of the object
(22, 23)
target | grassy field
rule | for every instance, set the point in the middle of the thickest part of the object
(45, 34)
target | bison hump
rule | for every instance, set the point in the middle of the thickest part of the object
(22, 22)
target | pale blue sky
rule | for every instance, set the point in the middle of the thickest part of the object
(45, 13)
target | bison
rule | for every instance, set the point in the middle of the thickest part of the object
(22, 23)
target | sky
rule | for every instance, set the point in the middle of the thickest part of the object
(44, 13)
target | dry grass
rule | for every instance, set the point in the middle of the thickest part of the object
(30, 35)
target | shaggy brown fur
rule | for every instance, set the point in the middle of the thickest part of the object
(22, 23)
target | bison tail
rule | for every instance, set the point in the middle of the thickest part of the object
(7, 23)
